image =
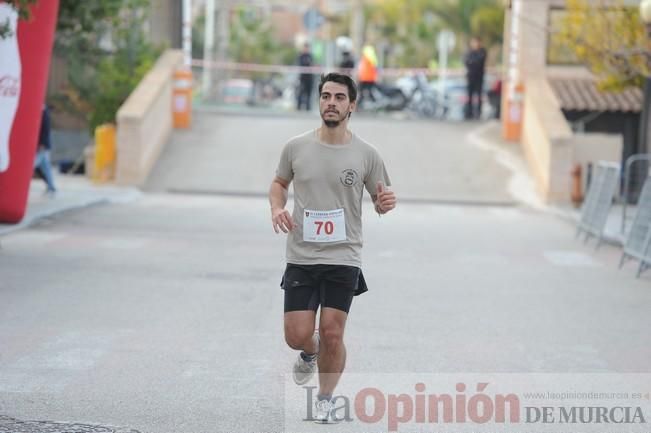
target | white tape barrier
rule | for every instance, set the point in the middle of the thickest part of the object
(284, 69)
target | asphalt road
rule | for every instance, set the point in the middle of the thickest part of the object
(428, 161)
(164, 314)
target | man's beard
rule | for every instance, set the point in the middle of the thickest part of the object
(330, 123)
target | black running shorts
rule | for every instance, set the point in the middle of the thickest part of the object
(308, 286)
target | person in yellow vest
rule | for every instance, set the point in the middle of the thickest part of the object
(367, 73)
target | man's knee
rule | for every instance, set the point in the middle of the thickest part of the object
(331, 335)
(297, 336)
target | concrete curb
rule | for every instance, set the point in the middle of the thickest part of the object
(521, 185)
(31, 218)
(74, 194)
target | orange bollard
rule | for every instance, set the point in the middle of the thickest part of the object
(513, 112)
(182, 98)
(104, 153)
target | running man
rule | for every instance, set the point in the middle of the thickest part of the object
(330, 167)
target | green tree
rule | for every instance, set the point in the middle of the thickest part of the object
(119, 72)
(252, 40)
(609, 39)
(406, 28)
(23, 8)
(198, 35)
(410, 28)
(457, 14)
(106, 52)
(481, 18)
(487, 22)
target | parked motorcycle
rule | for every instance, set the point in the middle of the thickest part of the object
(386, 98)
(423, 100)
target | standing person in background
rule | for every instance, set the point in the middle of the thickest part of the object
(495, 98)
(475, 61)
(305, 79)
(42, 160)
(347, 62)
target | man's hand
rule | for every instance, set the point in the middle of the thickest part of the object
(385, 199)
(282, 220)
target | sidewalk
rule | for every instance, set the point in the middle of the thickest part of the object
(522, 187)
(74, 192)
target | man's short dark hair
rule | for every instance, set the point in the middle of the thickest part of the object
(344, 79)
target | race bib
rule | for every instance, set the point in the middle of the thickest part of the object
(324, 226)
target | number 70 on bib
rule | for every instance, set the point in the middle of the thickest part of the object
(324, 226)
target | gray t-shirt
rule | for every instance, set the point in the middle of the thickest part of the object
(329, 177)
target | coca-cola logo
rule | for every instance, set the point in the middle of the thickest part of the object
(9, 86)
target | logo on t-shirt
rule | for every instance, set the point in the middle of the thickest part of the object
(349, 177)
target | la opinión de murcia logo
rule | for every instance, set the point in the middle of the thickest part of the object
(9, 86)
(371, 405)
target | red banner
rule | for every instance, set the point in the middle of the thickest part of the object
(24, 65)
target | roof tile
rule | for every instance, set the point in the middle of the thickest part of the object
(583, 94)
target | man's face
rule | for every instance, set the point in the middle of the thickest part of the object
(474, 43)
(334, 104)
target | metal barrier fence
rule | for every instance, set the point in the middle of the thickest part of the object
(631, 183)
(598, 201)
(639, 237)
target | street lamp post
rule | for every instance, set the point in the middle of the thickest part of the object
(645, 14)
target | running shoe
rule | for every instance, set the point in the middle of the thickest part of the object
(323, 409)
(304, 370)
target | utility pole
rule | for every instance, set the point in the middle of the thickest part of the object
(187, 33)
(357, 27)
(208, 48)
(311, 28)
(645, 124)
(329, 44)
(223, 34)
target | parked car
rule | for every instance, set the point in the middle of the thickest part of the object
(456, 96)
(237, 91)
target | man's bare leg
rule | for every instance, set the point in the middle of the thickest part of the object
(332, 353)
(299, 330)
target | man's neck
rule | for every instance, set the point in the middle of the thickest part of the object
(337, 135)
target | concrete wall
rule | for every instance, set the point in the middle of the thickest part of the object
(532, 53)
(549, 144)
(594, 147)
(547, 141)
(144, 121)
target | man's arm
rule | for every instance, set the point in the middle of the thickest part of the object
(384, 200)
(280, 217)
